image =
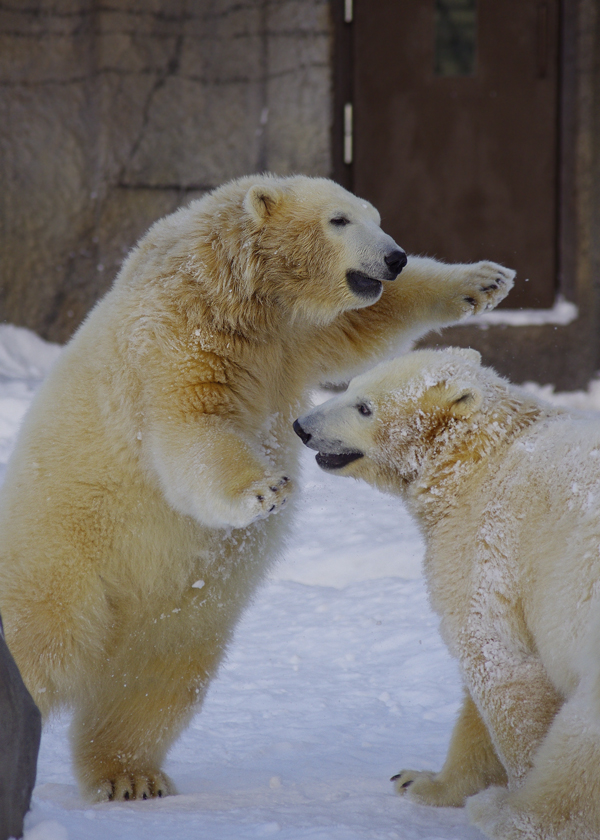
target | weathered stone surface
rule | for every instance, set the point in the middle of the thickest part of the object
(20, 733)
(112, 115)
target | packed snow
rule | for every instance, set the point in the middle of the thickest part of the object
(562, 313)
(337, 679)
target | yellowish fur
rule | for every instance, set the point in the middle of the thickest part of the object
(507, 491)
(138, 511)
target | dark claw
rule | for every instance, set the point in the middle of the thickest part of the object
(489, 288)
(272, 508)
(399, 776)
(126, 795)
(145, 796)
(471, 300)
(159, 794)
(260, 498)
(274, 489)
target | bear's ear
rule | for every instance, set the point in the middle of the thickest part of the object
(459, 399)
(465, 401)
(261, 201)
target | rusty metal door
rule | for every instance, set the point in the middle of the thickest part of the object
(452, 129)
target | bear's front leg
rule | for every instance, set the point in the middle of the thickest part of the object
(471, 765)
(517, 701)
(118, 751)
(427, 295)
(209, 471)
(450, 293)
(123, 728)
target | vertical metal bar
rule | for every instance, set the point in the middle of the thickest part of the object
(542, 40)
(348, 11)
(348, 150)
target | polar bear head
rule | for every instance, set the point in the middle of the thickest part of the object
(394, 418)
(314, 247)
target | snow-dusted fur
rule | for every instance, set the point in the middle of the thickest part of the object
(137, 513)
(507, 492)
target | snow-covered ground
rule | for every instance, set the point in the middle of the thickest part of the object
(337, 679)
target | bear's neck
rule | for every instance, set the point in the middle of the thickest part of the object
(445, 469)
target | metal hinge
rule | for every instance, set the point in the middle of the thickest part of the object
(348, 11)
(348, 150)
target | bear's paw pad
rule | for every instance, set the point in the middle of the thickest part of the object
(268, 496)
(483, 286)
(129, 786)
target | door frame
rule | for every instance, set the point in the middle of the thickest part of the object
(566, 355)
(567, 133)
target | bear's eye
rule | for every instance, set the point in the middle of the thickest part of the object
(364, 409)
(339, 221)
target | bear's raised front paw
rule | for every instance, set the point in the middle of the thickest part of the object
(423, 786)
(483, 286)
(266, 497)
(126, 786)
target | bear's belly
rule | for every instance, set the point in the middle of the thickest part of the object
(203, 584)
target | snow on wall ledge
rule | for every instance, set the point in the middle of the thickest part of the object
(562, 313)
(24, 355)
(25, 360)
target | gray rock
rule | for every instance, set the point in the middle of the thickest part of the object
(20, 732)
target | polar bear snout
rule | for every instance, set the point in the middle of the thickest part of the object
(302, 434)
(395, 261)
(331, 454)
(307, 430)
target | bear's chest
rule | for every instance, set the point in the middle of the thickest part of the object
(475, 580)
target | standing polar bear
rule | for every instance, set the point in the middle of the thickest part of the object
(507, 493)
(138, 510)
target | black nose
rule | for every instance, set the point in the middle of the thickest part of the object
(396, 260)
(304, 436)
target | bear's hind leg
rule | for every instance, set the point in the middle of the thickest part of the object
(120, 737)
(471, 765)
(560, 796)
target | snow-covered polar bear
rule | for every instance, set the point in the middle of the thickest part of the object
(507, 493)
(137, 513)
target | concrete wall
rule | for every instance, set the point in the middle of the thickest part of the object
(114, 114)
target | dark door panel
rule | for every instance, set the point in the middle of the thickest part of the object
(455, 130)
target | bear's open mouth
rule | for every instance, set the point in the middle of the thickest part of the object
(330, 461)
(363, 285)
